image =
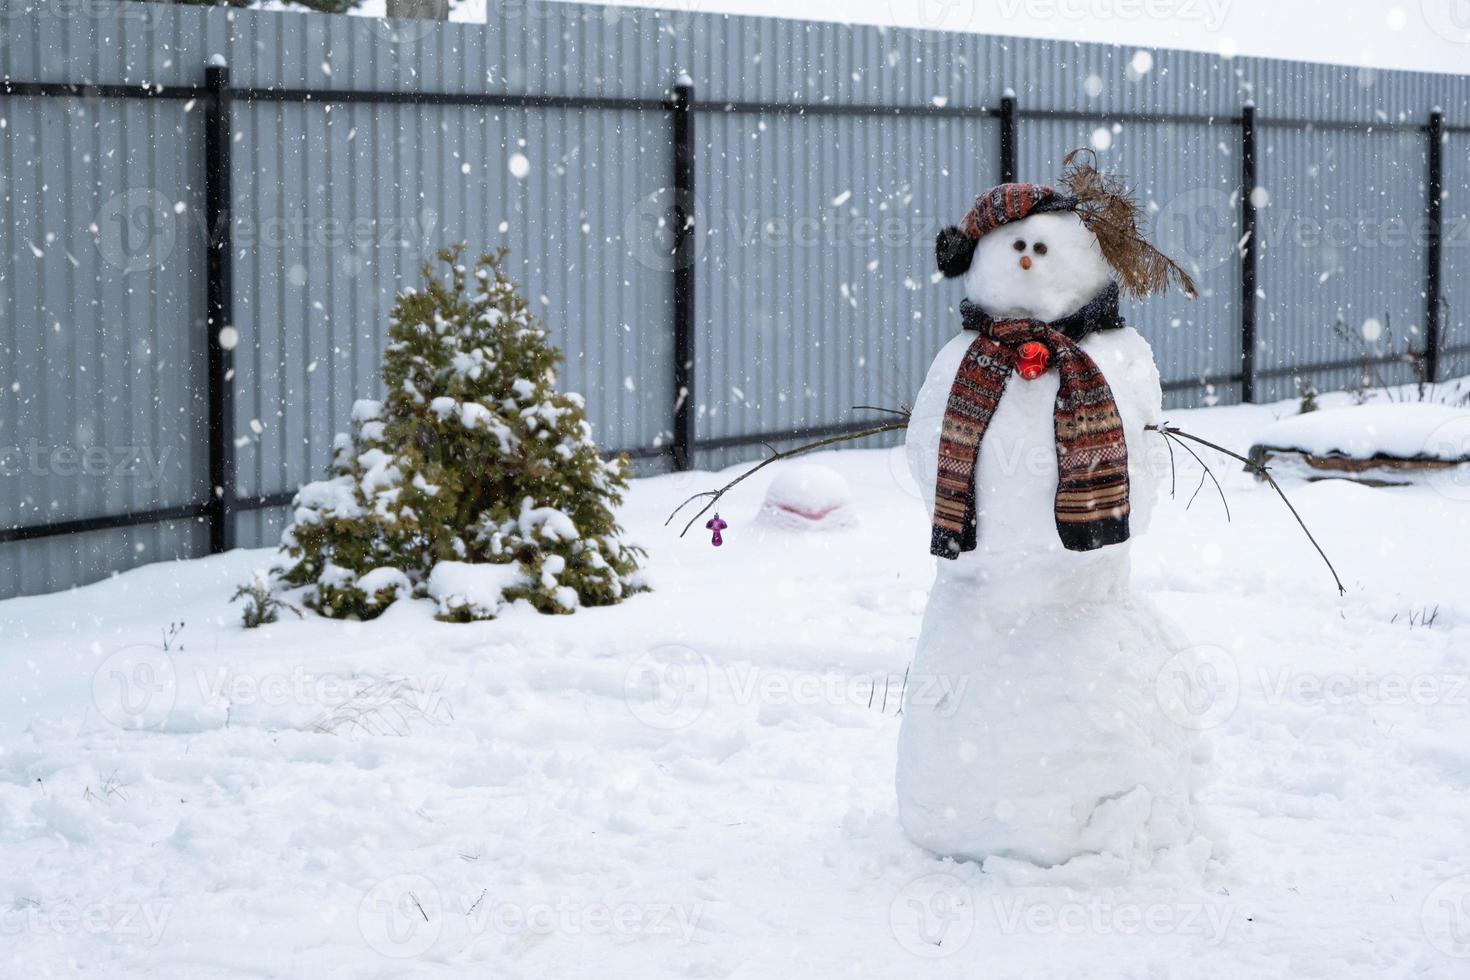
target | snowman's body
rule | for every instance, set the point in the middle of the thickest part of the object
(1056, 740)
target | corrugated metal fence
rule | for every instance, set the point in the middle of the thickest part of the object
(821, 160)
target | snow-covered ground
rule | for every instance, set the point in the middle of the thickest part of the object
(699, 782)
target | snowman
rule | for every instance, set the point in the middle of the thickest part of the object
(1053, 729)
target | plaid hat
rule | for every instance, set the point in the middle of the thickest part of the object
(1000, 205)
(1012, 202)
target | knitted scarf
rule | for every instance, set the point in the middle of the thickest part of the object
(1092, 457)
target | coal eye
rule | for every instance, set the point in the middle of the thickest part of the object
(1039, 248)
(1020, 246)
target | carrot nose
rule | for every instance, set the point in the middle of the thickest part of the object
(1025, 261)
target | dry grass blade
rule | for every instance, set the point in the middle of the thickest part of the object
(384, 706)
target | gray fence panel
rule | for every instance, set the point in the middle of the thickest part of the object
(842, 63)
(1340, 241)
(101, 353)
(817, 263)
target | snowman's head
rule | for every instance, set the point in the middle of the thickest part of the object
(1026, 250)
(1042, 267)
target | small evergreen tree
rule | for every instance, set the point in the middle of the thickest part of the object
(474, 458)
(262, 605)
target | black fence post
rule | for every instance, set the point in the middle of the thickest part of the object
(1247, 252)
(220, 314)
(1008, 137)
(1433, 245)
(683, 254)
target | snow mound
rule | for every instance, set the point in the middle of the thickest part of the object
(808, 497)
(1414, 430)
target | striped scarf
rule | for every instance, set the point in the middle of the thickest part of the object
(1092, 457)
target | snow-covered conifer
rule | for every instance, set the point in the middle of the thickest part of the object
(473, 459)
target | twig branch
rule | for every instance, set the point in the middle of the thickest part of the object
(1173, 472)
(882, 408)
(1169, 439)
(1173, 431)
(712, 497)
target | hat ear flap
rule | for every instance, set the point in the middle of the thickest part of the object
(953, 250)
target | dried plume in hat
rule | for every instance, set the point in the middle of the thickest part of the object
(1103, 202)
(1108, 209)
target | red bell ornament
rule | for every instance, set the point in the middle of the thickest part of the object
(1032, 359)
